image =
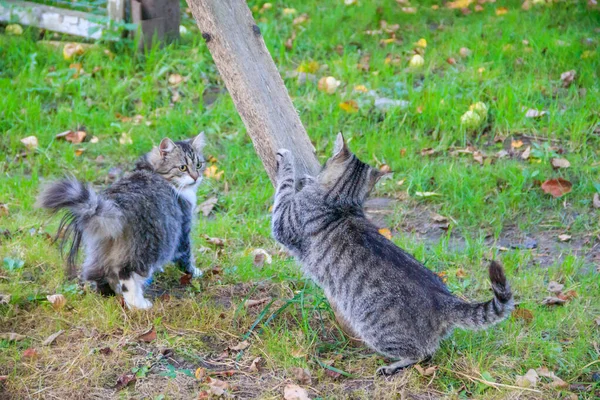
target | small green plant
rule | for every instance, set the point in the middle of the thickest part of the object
(12, 264)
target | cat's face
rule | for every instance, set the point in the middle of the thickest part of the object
(180, 163)
(345, 178)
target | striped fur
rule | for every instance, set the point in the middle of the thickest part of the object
(137, 225)
(390, 300)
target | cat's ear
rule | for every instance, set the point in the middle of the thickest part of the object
(165, 147)
(198, 142)
(340, 149)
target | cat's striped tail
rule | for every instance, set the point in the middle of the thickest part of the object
(88, 214)
(482, 315)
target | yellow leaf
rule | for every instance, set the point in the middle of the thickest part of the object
(422, 43)
(458, 4)
(361, 88)
(416, 61)
(72, 49)
(501, 11)
(309, 67)
(349, 106)
(289, 11)
(515, 144)
(587, 54)
(200, 373)
(386, 233)
(212, 172)
(14, 29)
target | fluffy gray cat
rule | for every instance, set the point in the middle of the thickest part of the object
(137, 225)
(384, 295)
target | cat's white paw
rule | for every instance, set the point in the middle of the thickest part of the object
(196, 272)
(141, 304)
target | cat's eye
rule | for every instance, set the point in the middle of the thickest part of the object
(199, 165)
(183, 168)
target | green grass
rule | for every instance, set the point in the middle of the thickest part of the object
(490, 206)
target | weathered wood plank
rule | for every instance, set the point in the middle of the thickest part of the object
(52, 18)
(116, 10)
(261, 99)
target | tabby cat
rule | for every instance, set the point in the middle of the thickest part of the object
(137, 225)
(385, 296)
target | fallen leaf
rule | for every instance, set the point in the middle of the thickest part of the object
(526, 5)
(515, 144)
(596, 200)
(72, 49)
(478, 8)
(409, 10)
(416, 61)
(124, 381)
(478, 156)
(426, 371)
(252, 303)
(426, 194)
(149, 336)
(529, 380)
(597, 321)
(125, 139)
(217, 387)
(501, 11)
(555, 287)
(385, 232)
(564, 237)
(12, 336)
(74, 137)
(185, 279)
(13, 29)
(451, 60)
(471, 119)
(295, 392)
(328, 84)
(386, 169)
(207, 206)
(567, 78)
(261, 257)
(438, 217)
(301, 375)
(361, 88)
(50, 339)
(175, 79)
(465, 52)
(461, 273)
(255, 366)
(240, 346)
(79, 152)
(560, 163)
(332, 374)
(4, 210)
(105, 351)
(533, 113)
(459, 4)
(421, 43)
(526, 153)
(557, 382)
(213, 172)
(30, 353)
(300, 19)
(571, 294)
(58, 301)
(30, 142)
(428, 151)
(557, 187)
(524, 314)
(553, 301)
(215, 241)
(363, 63)
(349, 106)
(200, 373)
(5, 298)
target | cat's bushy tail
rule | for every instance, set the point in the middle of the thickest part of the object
(482, 315)
(88, 214)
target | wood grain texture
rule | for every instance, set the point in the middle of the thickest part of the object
(254, 83)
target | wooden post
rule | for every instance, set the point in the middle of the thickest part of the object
(261, 99)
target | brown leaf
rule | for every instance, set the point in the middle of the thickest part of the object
(553, 301)
(12, 336)
(52, 338)
(596, 200)
(294, 392)
(30, 353)
(597, 321)
(185, 279)
(300, 20)
(207, 206)
(557, 382)
(478, 156)
(555, 287)
(363, 64)
(217, 387)
(564, 237)
(4, 210)
(332, 374)
(148, 336)
(526, 153)
(557, 187)
(560, 163)
(464, 52)
(255, 366)
(515, 144)
(428, 151)
(461, 273)
(124, 381)
(261, 257)
(252, 303)
(451, 60)
(74, 137)
(5, 298)
(58, 301)
(301, 375)
(175, 79)
(105, 351)
(215, 241)
(426, 371)
(501, 11)
(200, 373)
(349, 106)
(571, 294)
(567, 78)
(524, 314)
(438, 217)
(240, 346)
(529, 380)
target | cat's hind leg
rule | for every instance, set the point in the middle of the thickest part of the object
(132, 288)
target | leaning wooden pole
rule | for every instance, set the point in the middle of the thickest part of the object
(261, 99)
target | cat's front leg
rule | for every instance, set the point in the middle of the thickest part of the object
(286, 222)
